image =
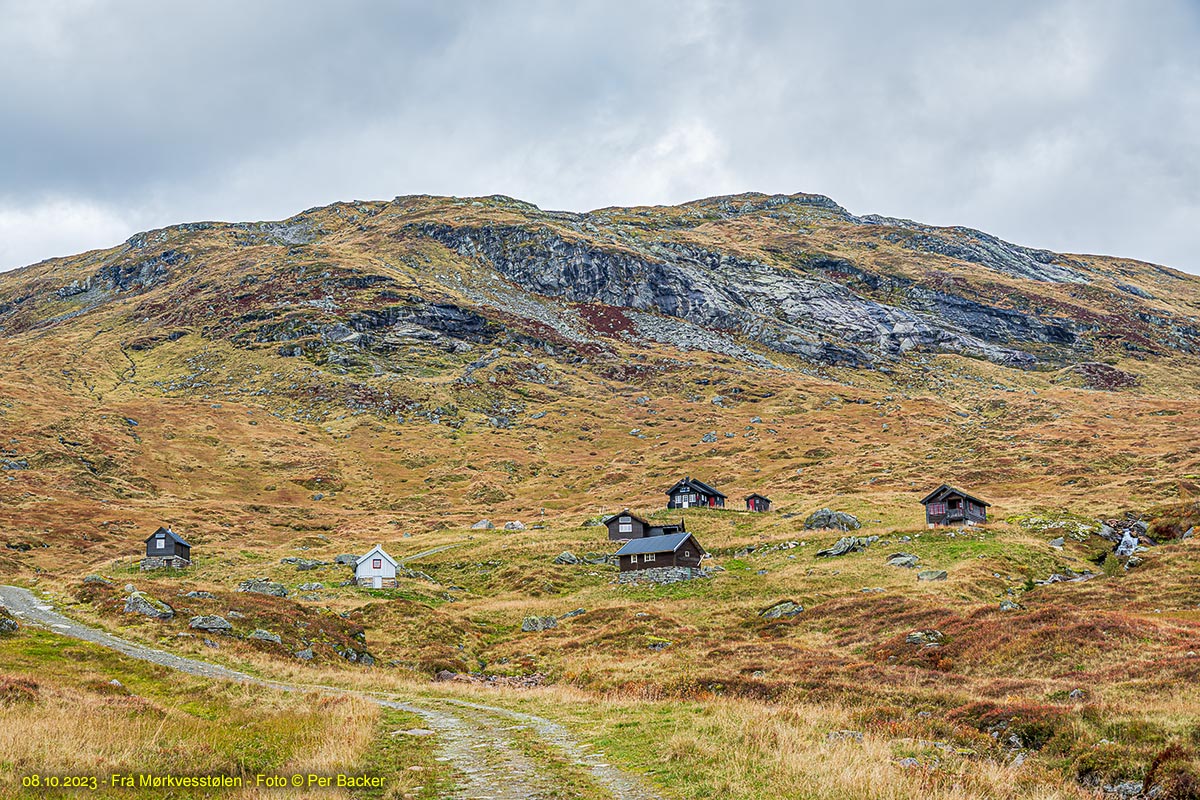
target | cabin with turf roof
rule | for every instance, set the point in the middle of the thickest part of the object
(166, 549)
(757, 502)
(691, 493)
(376, 569)
(947, 505)
(627, 525)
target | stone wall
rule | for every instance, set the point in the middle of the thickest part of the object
(159, 562)
(662, 575)
(388, 583)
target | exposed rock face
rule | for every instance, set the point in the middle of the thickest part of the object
(142, 603)
(515, 525)
(210, 623)
(483, 525)
(8, 625)
(907, 560)
(533, 624)
(263, 586)
(783, 609)
(925, 638)
(265, 636)
(827, 519)
(847, 544)
(932, 575)
(566, 557)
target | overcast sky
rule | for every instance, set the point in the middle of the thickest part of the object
(1073, 126)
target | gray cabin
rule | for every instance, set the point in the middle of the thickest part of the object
(691, 493)
(627, 525)
(165, 548)
(758, 502)
(650, 552)
(946, 505)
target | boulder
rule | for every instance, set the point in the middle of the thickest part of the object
(515, 525)
(8, 625)
(210, 623)
(574, 613)
(847, 544)
(304, 655)
(142, 603)
(782, 609)
(483, 525)
(264, 636)
(533, 624)
(932, 575)
(1059, 542)
(1189, 533)
(263, 586)
(1009, 605)
(346, 559)
(926, 638)
(907, 560)
(827, 519)
(566, 557)
(200, 595)
(310, 587)
(97, 579)
(303, 564)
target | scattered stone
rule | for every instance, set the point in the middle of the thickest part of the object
(8, 625)
(1189, 533)
(236, 615)
(1125, 789)
(827, 519)
(303, 564)
(783, 609)
(483, 524)
(318, 496)
(265, 636)
(908, 763)
(566, 557)
(839, 736)
(926, 638)
(1071, 578)
(533, 624)
(263, 586)
(201, 595)
(129, 587)
(97, 579)
(211, 623)
(907, 560)
(709, 437)
(1058, 543)
(656, 646)
(304, 655)
(310, 587)
(142, 603)
(515, 525)
(932, 575)
(346, 559)
(1076, 694)
(574, 613)
(1009, 605)
(1134, 561)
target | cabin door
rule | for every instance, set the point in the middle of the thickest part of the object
(378, 582)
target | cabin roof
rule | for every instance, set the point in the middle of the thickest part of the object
(625, 513)
(759, 496)
(376, 549)
(656, 544)
(172, 535)
(946, 489)
(701, 485)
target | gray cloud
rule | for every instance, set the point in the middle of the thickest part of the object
(1069, 125)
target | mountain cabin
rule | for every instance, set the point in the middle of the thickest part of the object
(756, 502)
(946, 505)
(627, 525)
(691, 493)
(165, 548)
(650, 552)
(376, 569)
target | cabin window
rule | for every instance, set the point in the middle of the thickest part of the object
(937, 509)
(649, 556)
(161, 542)
(633, 559)
(376, 563)
(624, 519)
(625, 527)
(687, 553)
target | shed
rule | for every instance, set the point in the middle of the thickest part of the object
(627, 525)
(670, 550)
(691, 493)
(947, 505)
(165, 548)
(375, 569)
(757, 502)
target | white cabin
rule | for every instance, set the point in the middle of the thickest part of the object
(376, 569)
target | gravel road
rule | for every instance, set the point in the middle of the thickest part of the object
(484, 743)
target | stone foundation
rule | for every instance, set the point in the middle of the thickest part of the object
(161, 562)
(662, 575)
(388, 583)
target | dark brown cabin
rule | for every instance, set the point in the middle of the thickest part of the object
(756, 502)
(168, 547)
(946, 505)
(671, 550)
(691, 493)
(627, 525)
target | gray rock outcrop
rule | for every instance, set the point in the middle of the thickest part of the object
(210, 623)
(263, 586)
(534, 624)
(142, 603)
(827, 519)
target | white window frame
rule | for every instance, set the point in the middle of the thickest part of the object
(376, 563)
(649, 557)
(687, 553)
(625, 527)
(633, 559)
